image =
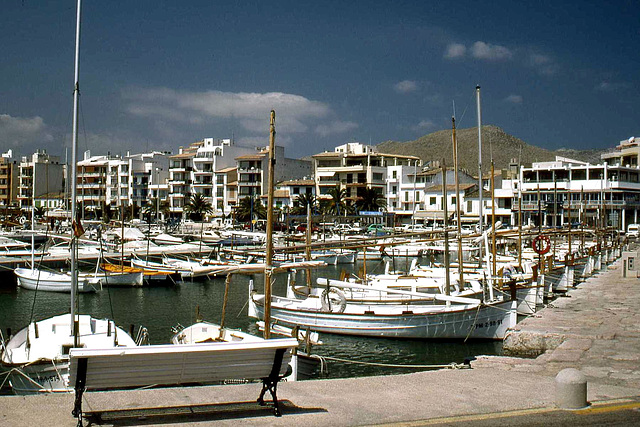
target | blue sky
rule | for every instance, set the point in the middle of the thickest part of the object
(162, 74)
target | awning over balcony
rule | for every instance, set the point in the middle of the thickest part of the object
(325, 173)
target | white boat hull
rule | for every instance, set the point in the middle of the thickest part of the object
(36, 359)
(401, 321)
(52, 282)
(118, 279)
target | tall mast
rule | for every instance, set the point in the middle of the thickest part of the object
(269, 254)
(33, 213)
(447, 280)
(455, 169)
(74, 183)
(493, 221)
(479, 166)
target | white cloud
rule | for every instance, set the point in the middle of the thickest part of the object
(544, 64)
(335, 127)
(406, 86)
(513, 99)
(19, 131)
(424, 125)
(490, 52)
(455, 50)
(609, 86)
(252, 110)
(539, 59)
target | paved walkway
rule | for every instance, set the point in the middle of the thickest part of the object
(596, 329)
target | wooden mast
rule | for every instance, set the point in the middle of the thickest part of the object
(269, 255)
(455, 167)
(447, 280)
(493, 221)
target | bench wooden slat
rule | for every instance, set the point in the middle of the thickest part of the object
(179, 364)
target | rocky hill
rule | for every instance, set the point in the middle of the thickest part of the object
(504, 148)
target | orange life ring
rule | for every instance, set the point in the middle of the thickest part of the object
(541, 244)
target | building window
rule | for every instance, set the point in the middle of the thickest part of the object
(432, 201)
(469, 206)
(394, 189)
(406, 196)
(395, 174)
(296, 190)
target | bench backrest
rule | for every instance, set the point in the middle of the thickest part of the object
(179, 364)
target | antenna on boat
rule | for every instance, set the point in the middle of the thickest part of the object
(480, 220)
(74, 182)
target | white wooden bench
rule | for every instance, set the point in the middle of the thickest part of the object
(174, 365)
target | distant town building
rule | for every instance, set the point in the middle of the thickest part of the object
(205, 167)
(38, 174)
(607, 194)
(354, 167)
(112, 181)
(8, 179)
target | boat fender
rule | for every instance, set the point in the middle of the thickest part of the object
(22, 220)
(333, 300)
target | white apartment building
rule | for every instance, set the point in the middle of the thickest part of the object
(606, 194)
(48, 173)
(120, 182)
(355, 166)
(253, 171)
(208, 168)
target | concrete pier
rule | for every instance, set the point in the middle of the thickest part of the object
(595, 328)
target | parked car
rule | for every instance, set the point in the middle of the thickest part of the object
(409, 228)
(377, 229)
(633, 230)
(301, 228)
(344, 228)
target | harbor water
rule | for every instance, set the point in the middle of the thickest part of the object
(159, 309)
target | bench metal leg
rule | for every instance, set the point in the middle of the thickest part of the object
(81, 379)
(272, 386)
(271, 382)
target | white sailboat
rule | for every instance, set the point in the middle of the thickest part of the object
(50, 281)
(461, 319)
(36, 359)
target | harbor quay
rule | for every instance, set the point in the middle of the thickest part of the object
(594, 328)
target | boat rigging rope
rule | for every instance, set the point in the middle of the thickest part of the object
(35, 294)
(473, 325)
(452, 365)
(107, 285)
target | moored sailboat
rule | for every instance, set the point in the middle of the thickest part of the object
(50, 281)
(37, 357)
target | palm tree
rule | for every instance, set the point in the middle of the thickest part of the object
(40, 211)
(152, 206)
(370, 200)
(248, 206)
(107, 213)
(197, 207)
(301, 203)
(338, 205)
